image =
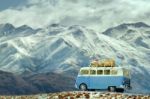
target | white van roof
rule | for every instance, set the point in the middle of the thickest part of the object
(103, 68)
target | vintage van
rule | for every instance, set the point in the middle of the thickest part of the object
(111, 78)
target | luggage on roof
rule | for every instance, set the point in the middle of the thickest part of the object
(104, 63)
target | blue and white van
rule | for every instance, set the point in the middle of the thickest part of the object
(111, 78)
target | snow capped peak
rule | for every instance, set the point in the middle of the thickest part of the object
(141, 24)
(129, 32)
(23, 27)
(54, 29)
(9, 30)
(65, 49)
(136, 25)
(6, 29)
(125, 26)
(76, 27)
(55, 25)
(6, 26)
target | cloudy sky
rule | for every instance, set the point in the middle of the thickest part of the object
(94, 14)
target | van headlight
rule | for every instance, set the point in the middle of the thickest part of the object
(123, 82)
(121, 86)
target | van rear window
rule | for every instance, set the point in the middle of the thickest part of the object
(84, 72)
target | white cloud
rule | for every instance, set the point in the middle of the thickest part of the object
(95, 14)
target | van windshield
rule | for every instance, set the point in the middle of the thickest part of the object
(114, 72)
(126, 73)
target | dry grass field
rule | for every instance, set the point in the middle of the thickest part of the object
(80, 95)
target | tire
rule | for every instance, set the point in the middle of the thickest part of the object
(92, 90)
(83, 87)
(112, 88)
(120, 90)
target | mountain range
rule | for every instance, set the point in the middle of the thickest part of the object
(40, 59)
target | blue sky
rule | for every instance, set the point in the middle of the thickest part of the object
(5, 4)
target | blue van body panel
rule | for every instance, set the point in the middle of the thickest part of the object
(100, 82)
(103, 82)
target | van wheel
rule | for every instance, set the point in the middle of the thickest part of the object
(120, 90)
(83, 87)
(112, 88)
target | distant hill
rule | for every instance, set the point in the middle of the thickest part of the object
(12, 84)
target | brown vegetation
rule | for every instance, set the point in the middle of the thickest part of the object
(79, 95)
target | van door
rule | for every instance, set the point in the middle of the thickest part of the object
(92, 79)
(83, 77)
(98, 81)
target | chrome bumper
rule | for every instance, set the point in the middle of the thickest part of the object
(125, 87)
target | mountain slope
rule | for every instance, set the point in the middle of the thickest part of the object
(63, 50)
(137, 34)
(12, 84)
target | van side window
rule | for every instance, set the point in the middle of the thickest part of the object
(84, 72)
(114, 72)
(106, 72)
(92, 72)
(99, 72)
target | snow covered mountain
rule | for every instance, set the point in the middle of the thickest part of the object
(137, 35)
(64, 50)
